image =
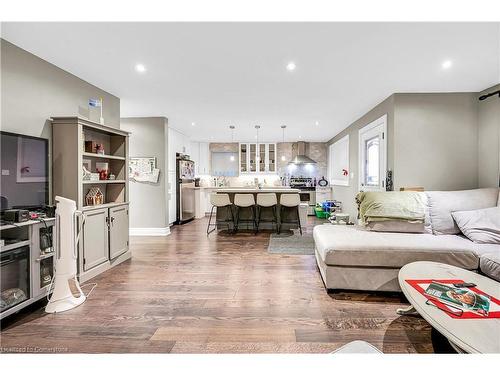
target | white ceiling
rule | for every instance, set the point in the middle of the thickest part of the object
(221, 74)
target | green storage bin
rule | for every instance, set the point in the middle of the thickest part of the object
(320, 214)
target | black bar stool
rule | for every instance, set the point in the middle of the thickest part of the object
(292, 202)
(245, 202)
(267, 200)
(220, 201)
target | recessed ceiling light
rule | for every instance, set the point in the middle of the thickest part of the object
(140, 68)
(447, 64)
(291, 66)
(193, 124)
(317, 123)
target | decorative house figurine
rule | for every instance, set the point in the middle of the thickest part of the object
(94, 197)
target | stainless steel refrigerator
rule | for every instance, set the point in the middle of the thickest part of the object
(185, 190)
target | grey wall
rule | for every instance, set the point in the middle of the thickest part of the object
(432, 142)
(34, 90)
(435, 141)
(489, 139)
(148, 201)
(346, 194)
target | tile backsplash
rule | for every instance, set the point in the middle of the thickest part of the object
(315, 150)
(244, 180)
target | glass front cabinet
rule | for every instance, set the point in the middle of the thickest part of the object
(257, 158)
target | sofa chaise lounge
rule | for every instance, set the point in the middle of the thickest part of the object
(353, 258)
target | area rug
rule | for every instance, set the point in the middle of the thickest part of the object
(291, 244)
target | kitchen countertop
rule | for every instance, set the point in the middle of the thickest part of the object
(277, 189)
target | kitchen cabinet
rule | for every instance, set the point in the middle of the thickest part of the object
(206, 193)
(204, 163)
(257, 158)
(177, 143)
(95, 238)
(199, 153)
(199, 203)
(118, 230)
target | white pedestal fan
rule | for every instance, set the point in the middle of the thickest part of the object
(65, 243)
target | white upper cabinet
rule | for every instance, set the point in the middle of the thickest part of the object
(199, 153)
(177, 143)
(257, 158)
(204, 163)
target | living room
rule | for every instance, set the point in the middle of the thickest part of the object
(238, 188)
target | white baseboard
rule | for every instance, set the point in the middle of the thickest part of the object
(150, 231)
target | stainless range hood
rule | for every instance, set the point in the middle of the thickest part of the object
(300, 157)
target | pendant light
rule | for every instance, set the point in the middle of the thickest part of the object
(232, 127)
(257, 153)
(283, 127)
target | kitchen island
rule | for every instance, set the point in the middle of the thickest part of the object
(243, 190)
(225, 214)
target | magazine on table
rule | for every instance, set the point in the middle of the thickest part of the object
(460, 298)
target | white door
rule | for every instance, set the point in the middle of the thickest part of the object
(373, 155)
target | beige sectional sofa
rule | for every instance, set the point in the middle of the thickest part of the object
(353, 258)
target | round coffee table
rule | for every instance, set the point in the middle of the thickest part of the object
(465, 335)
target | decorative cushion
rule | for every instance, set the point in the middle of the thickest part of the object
(490, 265)
(480, 226)
(396, 226)
(443, 203)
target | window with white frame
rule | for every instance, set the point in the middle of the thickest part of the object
(373, 155)
(338, 163)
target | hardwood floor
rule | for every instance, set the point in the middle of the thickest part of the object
(187, 293)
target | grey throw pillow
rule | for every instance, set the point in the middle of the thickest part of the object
(480, 226)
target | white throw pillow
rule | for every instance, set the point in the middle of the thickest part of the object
(443, 203)
(480, 226)
(399, 226)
